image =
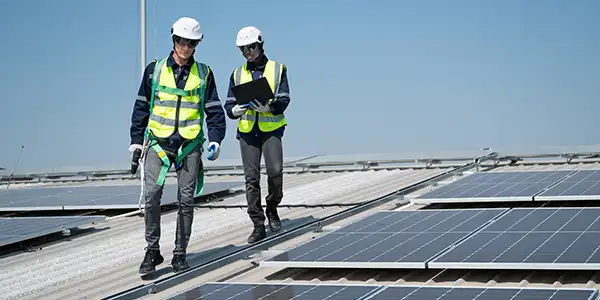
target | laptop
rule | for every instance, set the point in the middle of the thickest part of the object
(256, 89)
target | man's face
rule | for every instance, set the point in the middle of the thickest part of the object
(184, 48)
(251, 52)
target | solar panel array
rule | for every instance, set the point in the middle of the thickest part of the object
(92, 197)
(518, 238)
(518, 186)
(389, 239)
(270, 291)
(14, 230)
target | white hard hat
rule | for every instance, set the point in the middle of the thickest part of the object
(248, 35)
(187, 28)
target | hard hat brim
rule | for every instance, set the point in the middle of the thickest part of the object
(195, 37)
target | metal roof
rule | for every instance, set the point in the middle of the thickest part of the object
(104, 261)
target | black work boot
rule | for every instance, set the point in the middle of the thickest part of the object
(151, 260)
(274, 221)
(179, 263)
(258, 234)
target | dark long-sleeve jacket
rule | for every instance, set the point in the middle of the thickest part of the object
(278, 106)
(214, 114)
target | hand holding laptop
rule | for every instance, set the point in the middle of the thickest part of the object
(257, 106)
(257, 90)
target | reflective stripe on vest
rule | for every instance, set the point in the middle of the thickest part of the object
(177, 107)
(266, 121)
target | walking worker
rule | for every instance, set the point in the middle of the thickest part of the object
(174, 95)
(260, 129)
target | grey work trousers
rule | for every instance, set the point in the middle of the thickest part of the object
(186, 181)
(252, 148)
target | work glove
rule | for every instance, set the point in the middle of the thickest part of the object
(239, 110)
(214, 149)
(134, 147)
(136, 151)
(257, 106)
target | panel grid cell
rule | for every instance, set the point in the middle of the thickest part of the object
(494, 186)
(91, 197)
(13, 230)
(391, 239)
(531, 238)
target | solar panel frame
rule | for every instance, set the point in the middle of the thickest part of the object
(509, 186)
(559, 240)
(405, 292)
(93, 197)
(306, 291)
(353, 246)
(241, 290)
(42, 226)
(567, 189)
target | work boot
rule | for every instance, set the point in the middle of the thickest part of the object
(151, 260)
(274, 221)
(258, 234)
(179, 263)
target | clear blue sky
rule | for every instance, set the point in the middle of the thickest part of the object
(365, 76)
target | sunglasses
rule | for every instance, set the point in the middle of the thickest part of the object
(248, 48)
(184, 41)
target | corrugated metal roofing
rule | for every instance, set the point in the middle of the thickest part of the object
(105, 262)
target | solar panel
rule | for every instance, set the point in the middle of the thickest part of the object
(494, 186)
(14, 230)
(531, 238)
(275, 291)
(388, 239)
(582, 185)
(92, 197)
(482, 293)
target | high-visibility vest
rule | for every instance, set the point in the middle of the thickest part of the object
(171, 105)
(266, 121)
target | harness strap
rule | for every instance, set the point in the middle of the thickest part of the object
(184, 151)
(165, 159)
(181, 154)
(178, 92)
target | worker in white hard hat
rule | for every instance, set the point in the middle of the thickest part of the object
(175, 94)
(260, 129)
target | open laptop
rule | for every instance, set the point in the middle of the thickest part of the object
(256, 89)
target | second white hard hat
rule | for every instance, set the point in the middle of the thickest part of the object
(248, 35)
(187, 28)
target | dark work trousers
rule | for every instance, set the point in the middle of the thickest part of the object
(252, 147)
(186, 181)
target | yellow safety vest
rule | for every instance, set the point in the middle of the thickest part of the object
(172, 106)
(266, 121)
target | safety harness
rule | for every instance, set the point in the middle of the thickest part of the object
(185, 149)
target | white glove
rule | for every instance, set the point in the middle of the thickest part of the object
(214, 149)
(133, 147)
(257, 106)
(239, 110)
